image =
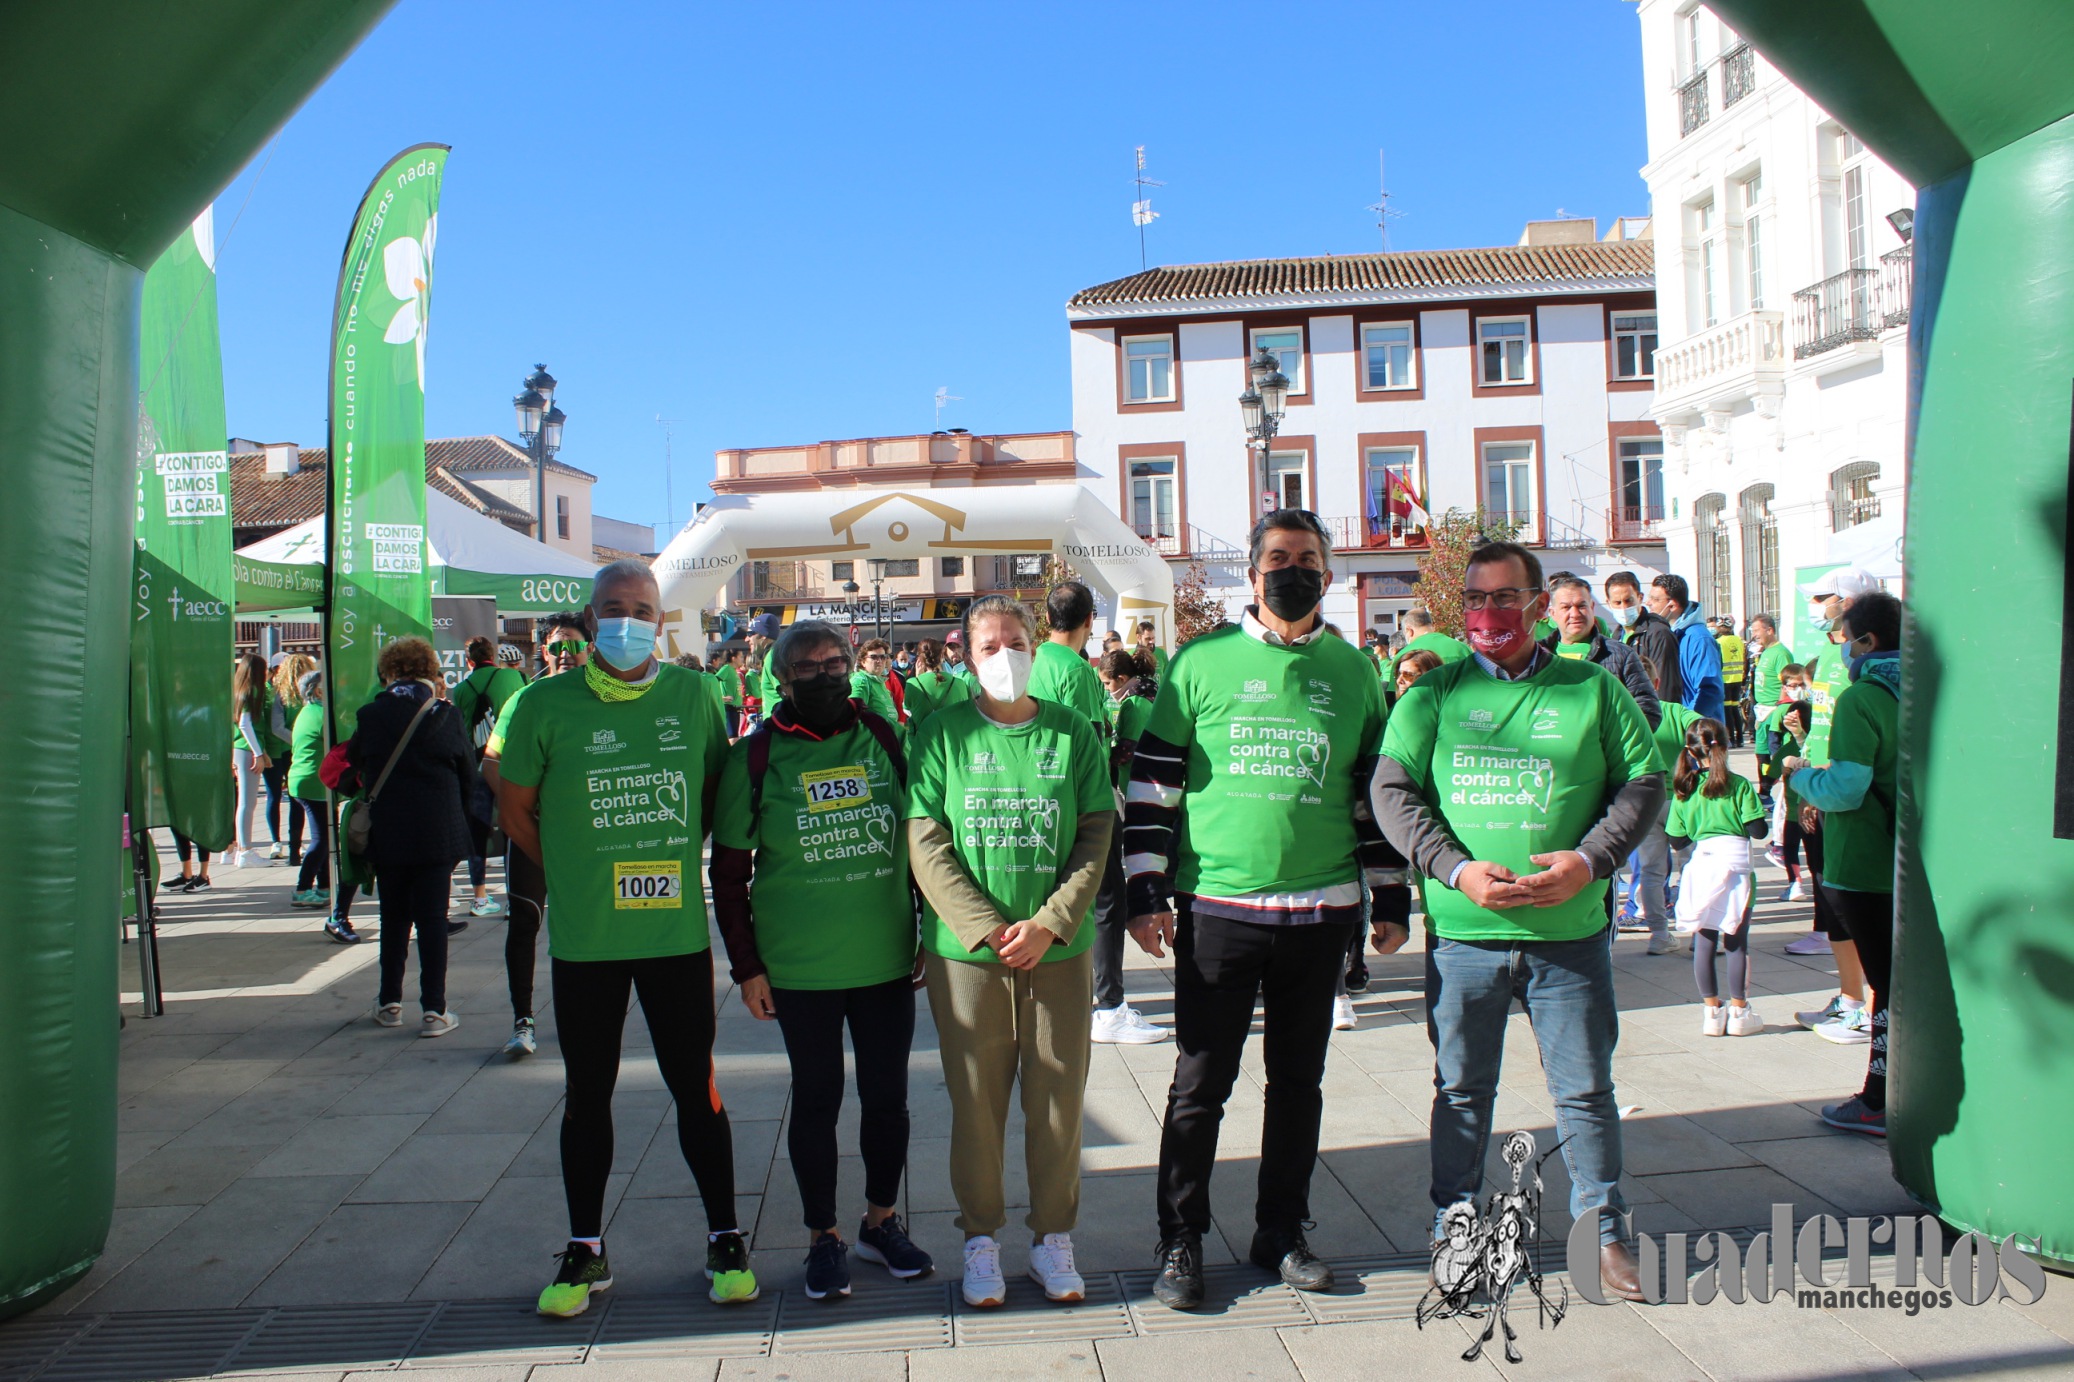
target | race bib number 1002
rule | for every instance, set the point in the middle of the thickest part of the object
(832, 788)
(656, 884)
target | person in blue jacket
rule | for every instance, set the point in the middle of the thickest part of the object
(1699, 656)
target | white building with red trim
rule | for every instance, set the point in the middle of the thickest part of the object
(1518, 379)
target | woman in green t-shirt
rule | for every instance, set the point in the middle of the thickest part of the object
(1715, 813)
(1010, 811)
(809, 808)
(307, 795)
(932, 687)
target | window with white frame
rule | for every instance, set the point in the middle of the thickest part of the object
(1288, 479)
(1634, 345)
(1502, 354)
(1691, 35)
(1387, 357)
(1752, 193)
(561, 515)
(1152, 498)
(1508, 482)
(1857, 229)
(1286, 345)
(1641, 462)
(1707, 289)
(1393, 489)
(1149, 364)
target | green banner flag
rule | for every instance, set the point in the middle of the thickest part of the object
(182, 593)
(380, 570)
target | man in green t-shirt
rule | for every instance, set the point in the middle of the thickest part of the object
(607, 776)
(1855, 793)
(1829, 596)
(493, 679)
(1421, 636)
(1149, 649)
(1249, 851)
(1516, 782)
(1768, 658)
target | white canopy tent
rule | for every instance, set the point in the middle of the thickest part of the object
(469, 555)
(1065, 521)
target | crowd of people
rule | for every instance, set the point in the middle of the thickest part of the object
(989, 818)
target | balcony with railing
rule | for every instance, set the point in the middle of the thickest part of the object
(1692, 103)
(1365, 535)
(762, 581)
(1738, 74)
(1637, 523)
(1165, 538)
(1011, 574)
(1840, 309)
(1897, 285)
(1742, 356)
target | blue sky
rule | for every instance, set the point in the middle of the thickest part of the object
(784, 224)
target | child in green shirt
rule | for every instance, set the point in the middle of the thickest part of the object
(1715, 813)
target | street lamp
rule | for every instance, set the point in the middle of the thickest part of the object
(878, 601)
(540, 426)
(850, 589)
(1260, 408)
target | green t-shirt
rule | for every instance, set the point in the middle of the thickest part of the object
(832, 818)
(1012, 797)
(1670, 736)
(1769, 664)
(877, 699)
(498, 687)
(1574, 650)
(1517, 768)
(730, 684)
(275, 747)
(1063, 677)
(929, 692)
(308, 754)
(1827, 678)
(622, 815)
(1858, 845)
(1272, 733)
(1442, 646)
(1159, 657)
(503, 726)
(1701, 817)
(1130, 716)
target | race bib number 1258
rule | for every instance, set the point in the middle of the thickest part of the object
(656, 884)
(834, 787)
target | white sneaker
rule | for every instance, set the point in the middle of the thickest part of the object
(984, 1288)
(1344, 1018)
(278, 851)
(1051, 1266)
(524, 1040)
(388, 1014)
(1713, 1020)
(1854, 1028)
(438, 1024)
(1666, 945)
(1124, 1025)
(1744, 1021)
(1813, 943)
(485, 907)
(1797, 893)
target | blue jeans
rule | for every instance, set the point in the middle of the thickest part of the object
(1567, 989)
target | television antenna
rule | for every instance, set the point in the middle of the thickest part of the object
(944, 397)
(669, 482)
(1384, 212)
(1142, 214)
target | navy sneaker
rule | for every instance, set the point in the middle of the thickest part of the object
(341, 930)
(890, 1247)
(828, 1268)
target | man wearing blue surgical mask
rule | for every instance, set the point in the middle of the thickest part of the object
(608, 777)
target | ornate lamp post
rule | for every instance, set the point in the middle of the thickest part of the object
(1260, 407)
(878, 601)
(540, 427)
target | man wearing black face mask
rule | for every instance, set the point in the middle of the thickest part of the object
(810, 808)
(1260, 743)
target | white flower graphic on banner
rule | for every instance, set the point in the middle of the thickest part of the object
(407, 263)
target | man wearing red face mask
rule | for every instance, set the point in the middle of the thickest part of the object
(1516, 781)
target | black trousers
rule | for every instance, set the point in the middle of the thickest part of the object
(525, 893)
(676, 992)
(881, 1019)
(1867, 919)
(413, 897)
(1112, 924)
(1732, 714)
(1220, 968)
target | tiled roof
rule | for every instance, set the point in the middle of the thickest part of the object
(604, 555)
(463, 454)
(1596, 262)
(260, 500)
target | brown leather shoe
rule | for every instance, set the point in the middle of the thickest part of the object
(1617, 1270)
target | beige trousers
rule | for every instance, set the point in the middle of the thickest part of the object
(995, 1025)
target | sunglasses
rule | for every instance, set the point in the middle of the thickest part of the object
(566, 648)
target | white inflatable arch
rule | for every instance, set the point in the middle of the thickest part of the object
(1065, 521)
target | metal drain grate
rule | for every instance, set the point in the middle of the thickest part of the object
(1369, 1288)
(27, 1345)
(149, 1346)
(912, 1317)
(501, 1331)
(686, 1327)
(1234, 1297)
(1027, 1320)
(330, 1338)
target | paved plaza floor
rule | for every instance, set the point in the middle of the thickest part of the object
(303, 1192)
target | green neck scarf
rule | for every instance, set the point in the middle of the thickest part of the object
(611, 689)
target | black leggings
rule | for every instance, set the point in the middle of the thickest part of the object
(1734, 945)
(187, 847)
(881, 1019)
(413, 897)
(590, 998)
(1868, 920)
(1112, 923)
(525, 890)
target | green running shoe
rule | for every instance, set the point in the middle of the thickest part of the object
(727, 1267)
(583, 1272)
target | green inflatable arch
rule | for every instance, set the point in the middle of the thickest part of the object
(120, 121)
(1970, 101)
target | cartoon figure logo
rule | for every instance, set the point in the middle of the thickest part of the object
(1488, 1256)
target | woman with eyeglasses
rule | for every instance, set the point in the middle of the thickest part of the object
(868, 682)
(564, 647)
(810, 809)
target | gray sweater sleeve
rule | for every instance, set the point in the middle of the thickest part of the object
(1409, 824)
